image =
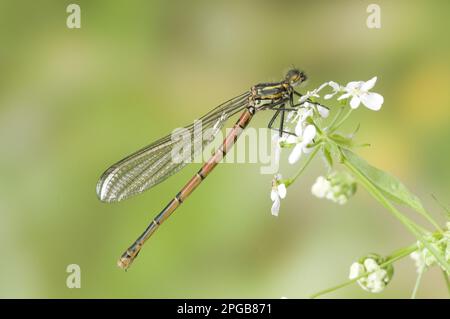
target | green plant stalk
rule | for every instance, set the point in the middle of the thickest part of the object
(416, 286)
(343, 119)
(391, 259)
(375, 192)
(302, 169)
(336, 117)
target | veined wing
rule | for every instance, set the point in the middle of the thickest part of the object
(154, 163)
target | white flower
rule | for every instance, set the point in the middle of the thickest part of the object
(419, 261)
(321, 187)
(370, 264)
(336, 89)
(308, 95)
(356, 270)
(337, 187)
(290, 116)
(322, 110)
(312, 94)
(358, 91)
(278, 192)
(303, 138)
(304, 134)
(424, 258)
(376, 280)
(302, 115)
(341, 199)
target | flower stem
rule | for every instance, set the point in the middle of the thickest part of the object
(410, 225)
(391, 259)
(344, 284)
(302, 169)
(336, 117)
(341, 121)
(416, 286)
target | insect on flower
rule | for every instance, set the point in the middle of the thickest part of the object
(154, 163)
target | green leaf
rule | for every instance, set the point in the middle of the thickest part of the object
(389, 185)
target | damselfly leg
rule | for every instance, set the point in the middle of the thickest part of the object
(280, 112)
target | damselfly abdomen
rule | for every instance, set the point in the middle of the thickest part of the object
(154, 163)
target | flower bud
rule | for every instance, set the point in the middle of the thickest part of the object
(441, 244)
(378, 277)
(337, 187)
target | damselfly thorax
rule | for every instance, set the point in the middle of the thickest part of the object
(154, 163)
(268, 95)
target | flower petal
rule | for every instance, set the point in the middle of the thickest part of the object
(277, 155)
(292, 139)
(322, 86)
(299, 128)
(323, 111)
(369, 84)
(353, 85)
(334, 85)
(290, 116)
(354, 102)
(295, 154)
(344, 96)
(276, 207)
(356, 269)
(303, 98)
(372, 101)
(274, 195)
(309, 134)
(320, 187)
(306, 113)
(282, 191)
(371, 265)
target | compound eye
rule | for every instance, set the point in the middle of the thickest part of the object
(295, 77)
(301, 77)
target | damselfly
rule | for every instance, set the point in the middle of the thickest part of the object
(153, 164)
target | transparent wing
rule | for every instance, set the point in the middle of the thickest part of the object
(154, 163)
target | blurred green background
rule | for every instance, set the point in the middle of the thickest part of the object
(74, 101)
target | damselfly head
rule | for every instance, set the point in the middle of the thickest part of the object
(295, 77)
